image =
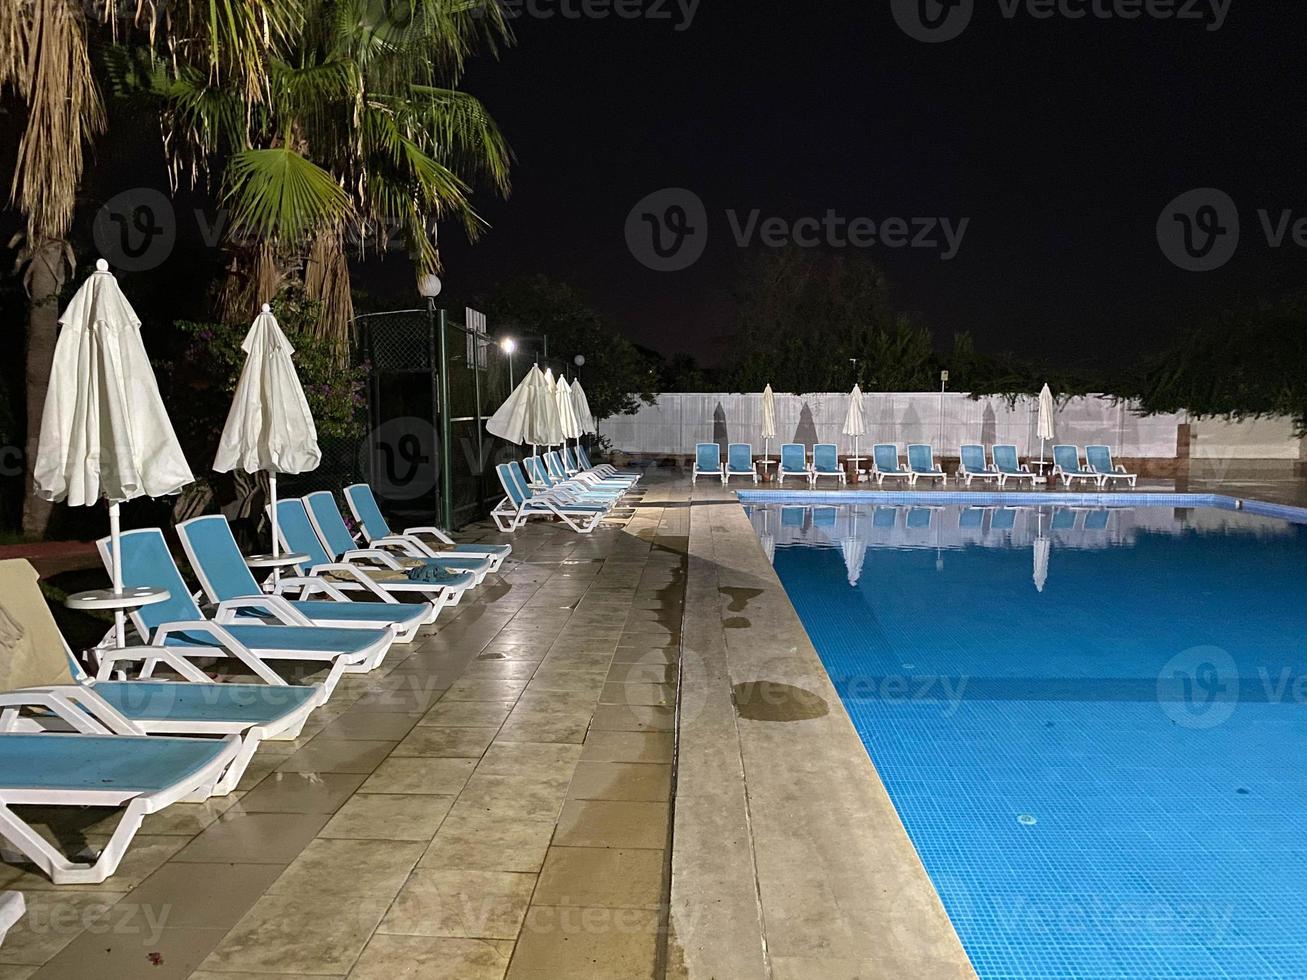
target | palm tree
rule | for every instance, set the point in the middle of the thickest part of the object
(363, 134)
(44, 59)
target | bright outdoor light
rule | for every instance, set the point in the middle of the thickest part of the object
(429, 286)
(579, 360)
(508, 344)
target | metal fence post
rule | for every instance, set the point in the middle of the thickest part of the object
(446, 431)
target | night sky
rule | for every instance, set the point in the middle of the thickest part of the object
(1061, 141)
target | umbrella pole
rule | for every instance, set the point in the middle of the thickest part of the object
(115, 533)
(276, 546)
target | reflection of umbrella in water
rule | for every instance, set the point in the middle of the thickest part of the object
(855, 551)
(767, 538)
(1042, 548)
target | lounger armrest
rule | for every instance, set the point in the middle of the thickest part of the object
(358, 575)
(375, 555)
(307, 586)
(78, 707)
(435, 532)
(278, 607)
(229, 644)
(150, 657)
(411, 547)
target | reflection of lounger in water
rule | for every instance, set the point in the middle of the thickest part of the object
(1005, 519)
(1096, 520)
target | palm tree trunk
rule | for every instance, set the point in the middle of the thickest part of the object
(45, 277)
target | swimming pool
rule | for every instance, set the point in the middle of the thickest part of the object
(1091, 720)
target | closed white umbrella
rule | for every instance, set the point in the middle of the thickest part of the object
(551, 426)
(768, 421)
(104, 430)
(581, 405)
(269, 427)
(854, 424)
(567, 419)
(512, 419)
(1044, 428)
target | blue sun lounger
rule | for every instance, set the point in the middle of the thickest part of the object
(540, 479)
(921, 461)
(520, 504)
(603, 469)
(376, 573)
(39, 671)
(885, 464)
(707, 462)
(376, 531)
(826, 462)
(326, 518)
(1009, 466)
(533, 477)
(178, 624)
(739, 462)
(973, 466)
(1100, 461)
(576, 465)
(794, 462)
(224, 576)
(140, 774)
(1066, 464)
(559, 474)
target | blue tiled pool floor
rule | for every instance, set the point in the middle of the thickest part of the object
(1105, 778)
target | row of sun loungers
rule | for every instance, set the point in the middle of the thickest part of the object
(563, 487)
(1099, 468)
(140, 744)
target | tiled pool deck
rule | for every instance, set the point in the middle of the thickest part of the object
(496, 799)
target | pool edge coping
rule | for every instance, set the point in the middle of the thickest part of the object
(734, 888)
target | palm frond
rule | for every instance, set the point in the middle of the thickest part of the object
(280, 195)
(466, 136)
(43, 55)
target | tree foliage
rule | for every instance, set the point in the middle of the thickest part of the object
(811, 320)
(617, 379)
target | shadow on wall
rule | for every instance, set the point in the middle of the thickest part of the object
(806, 432)
(719, 433)
(988, 426)
(910, 426)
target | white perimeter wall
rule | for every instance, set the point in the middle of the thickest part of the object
(680, 420)
(1270, 438)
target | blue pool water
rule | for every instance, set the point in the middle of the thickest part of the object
(1106, 777)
